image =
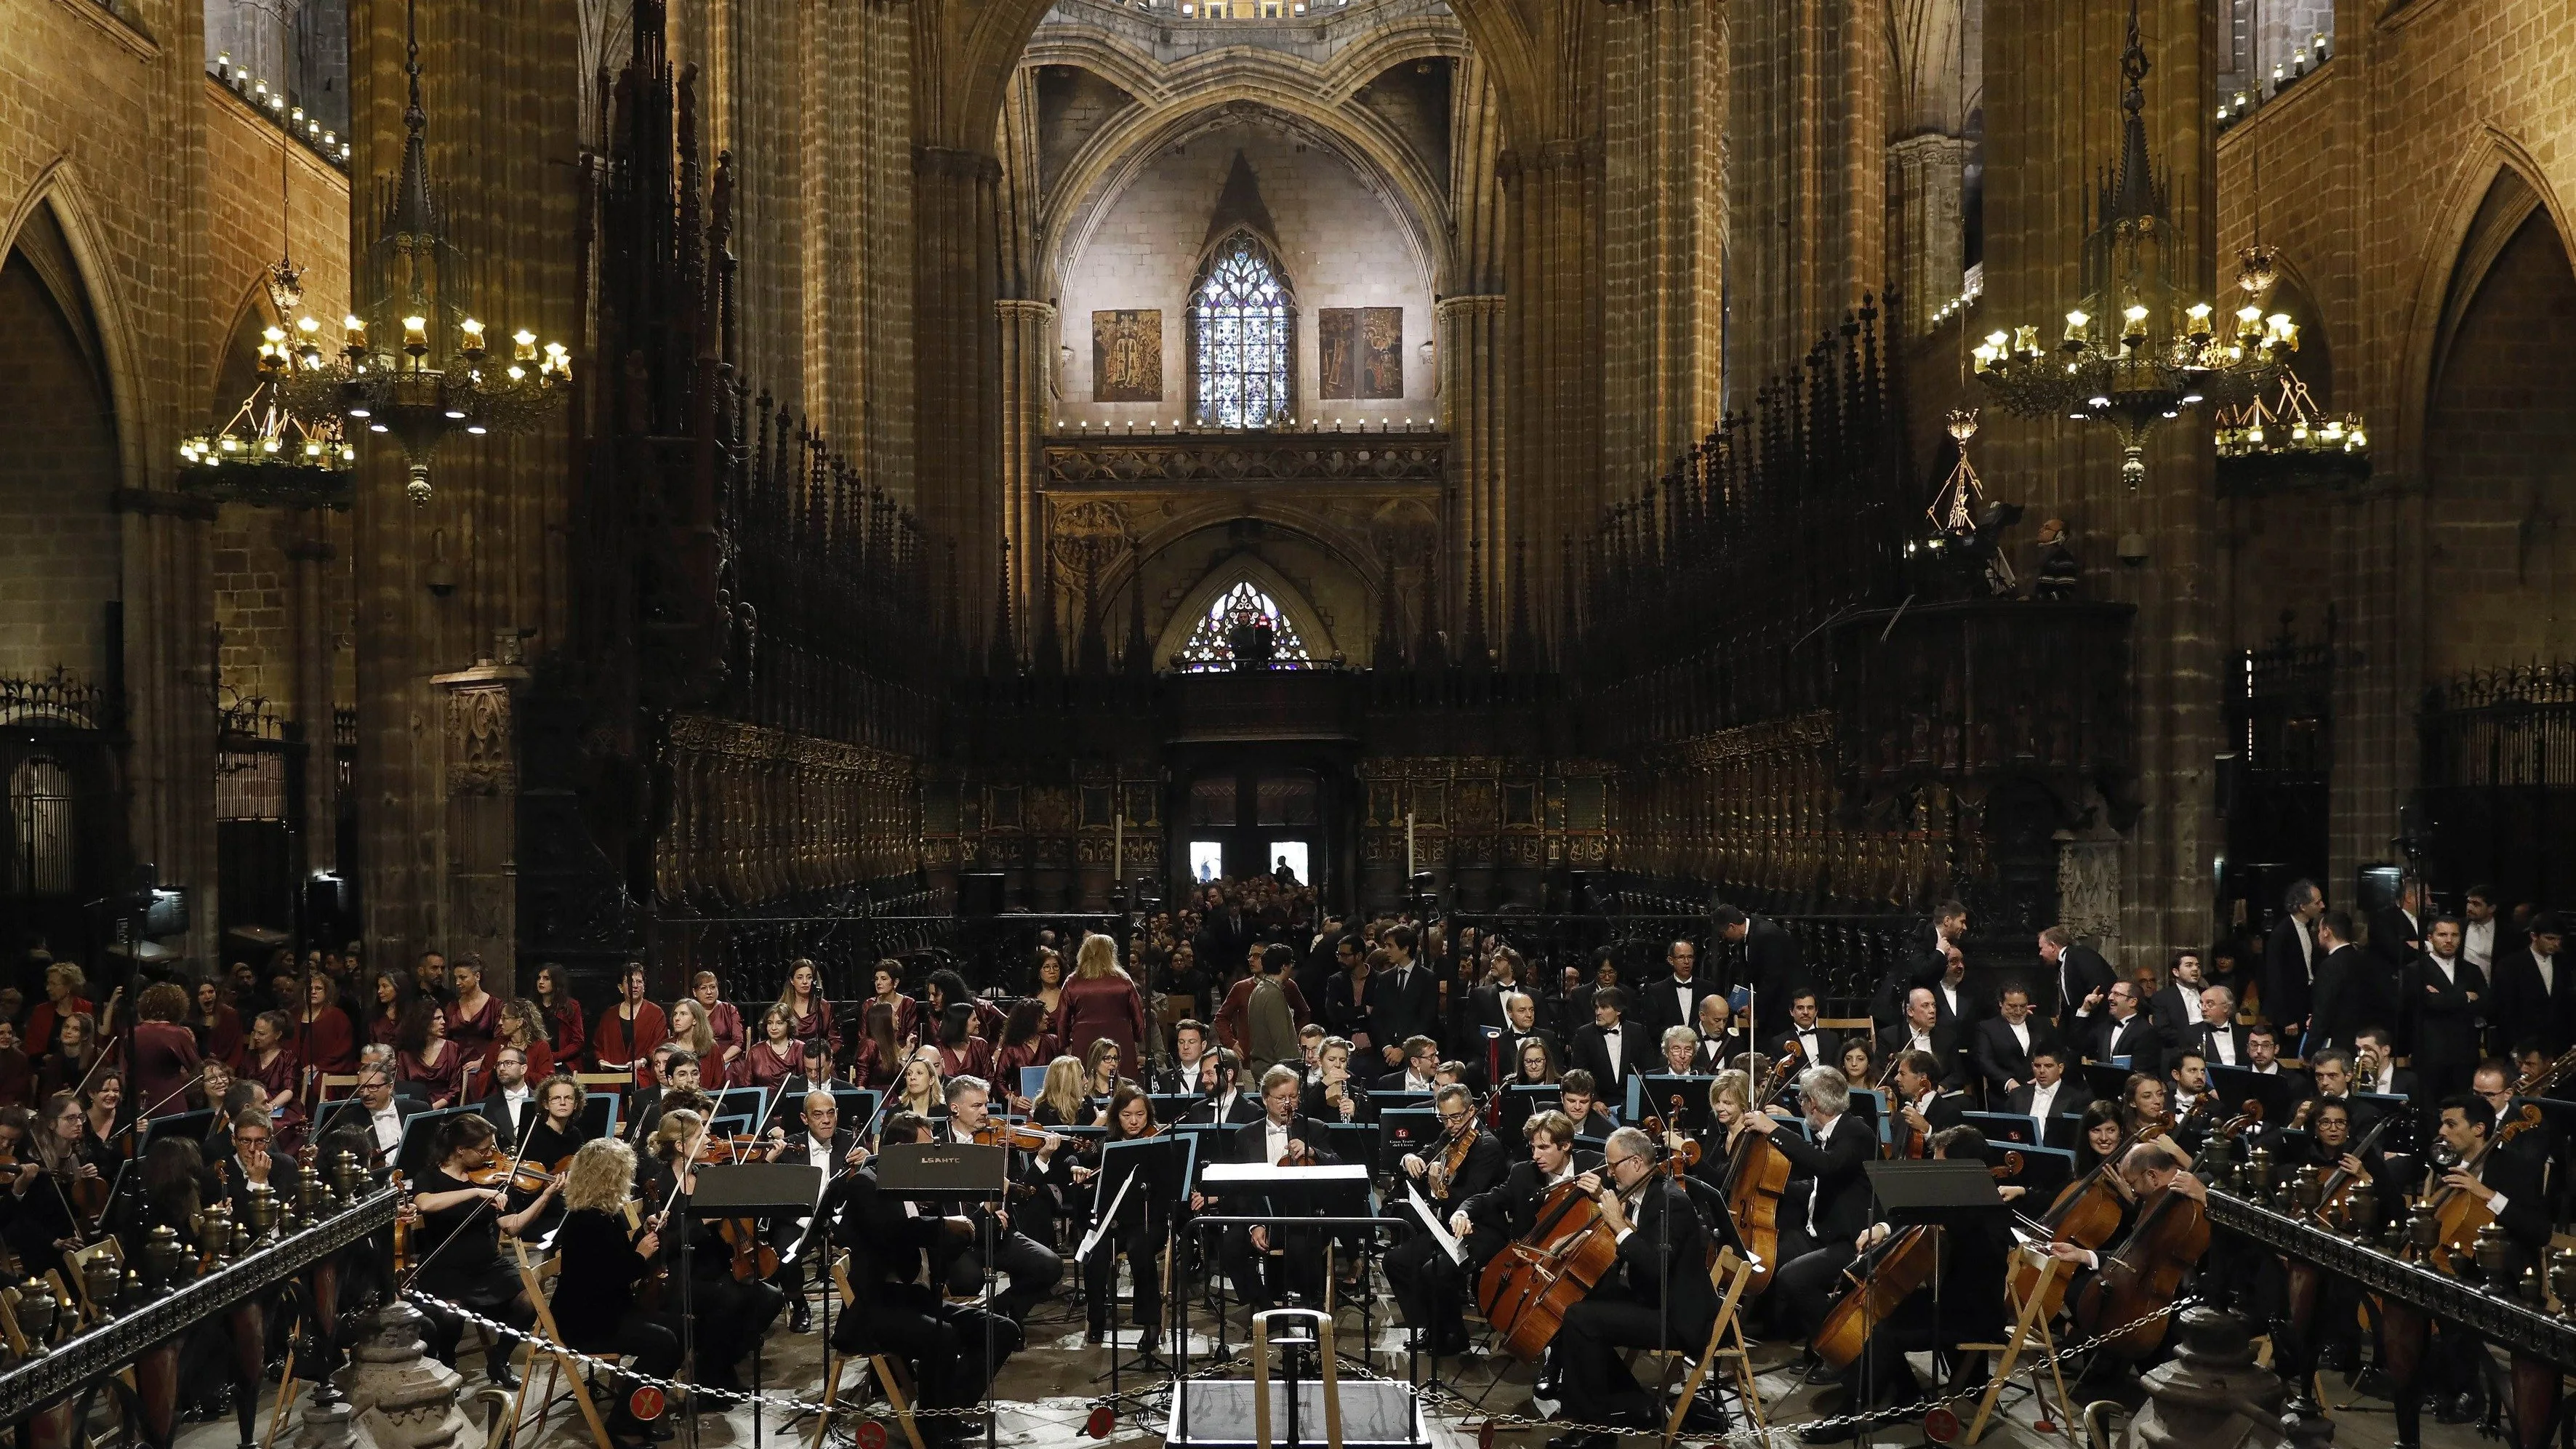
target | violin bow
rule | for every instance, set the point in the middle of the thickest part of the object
(518, 1158)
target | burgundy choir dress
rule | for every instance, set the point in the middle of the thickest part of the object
(279, 1075)
(725, 1025)
(472, 1031)
(382, 1029)
(43, 1022)
(872, 1071)
(1104, 1006)
(564, 1033)
(479, 1080)
(221, 1040)
(1007, 1062)
(973, 1059)
(619, 1040)
(907, 1015)
(441, 1084)
(812, 1024)
(329, 1043)
(160, 1062)
(767, 1068)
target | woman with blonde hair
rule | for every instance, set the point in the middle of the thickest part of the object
(1101, 1002)
(922, 1092)
(1061, 1100)
(809, 1011)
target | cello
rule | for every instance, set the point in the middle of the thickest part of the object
(1882, 1279)
(1527, 1288)
(2171, 1235)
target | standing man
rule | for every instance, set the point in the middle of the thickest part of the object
(1605, 1049)
(2397, 932)
(1771, 965)
(2444, 993)
(1674, 1001)
(2082, 976)
(2291, 957)
(1404, 1004)
(2534, 997)
(1262, 1012)
(2485, 940)
(2340, 997)
(2175, 1008)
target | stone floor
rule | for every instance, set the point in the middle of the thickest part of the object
(1048, 1392)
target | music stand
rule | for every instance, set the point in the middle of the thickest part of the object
(1169, 1106)
(2104, 1079)
(1406, 1129)
(1658, 1091)
(1934, 1193)
(1160, 1169)
(2278, 1092)
(759, 1190)
(953, 1170)
(2006, 1127)
(190, 1125)
(598, 1115)
(1032, 1081)
(1322, 1190)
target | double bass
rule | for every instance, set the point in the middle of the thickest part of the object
(1882, 1279)
(1527, 1288)
(2171, 1235)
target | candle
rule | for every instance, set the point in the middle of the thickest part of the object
(1408, 850)
(1118, 850)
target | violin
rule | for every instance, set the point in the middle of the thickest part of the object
(1448, 1156)
(995, 1133)
(518, 1175)
(1297, 1155)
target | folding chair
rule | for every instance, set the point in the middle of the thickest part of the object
(548, 1345)
(891, 1376)
(2029, 1331)
(1729, 1275)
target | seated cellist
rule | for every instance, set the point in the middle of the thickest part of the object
(1827, 1202)
(1657, 1295)
(1964, 1304)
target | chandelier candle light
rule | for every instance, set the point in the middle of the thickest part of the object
(2136, 351)
(445, 374)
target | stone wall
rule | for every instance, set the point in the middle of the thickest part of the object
(59, 542)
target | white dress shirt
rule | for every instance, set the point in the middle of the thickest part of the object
(2222, 1045)
(515, 1100)
(2547, 967)
(2043, 1099)
(2450, 967)
(2020, 1034)
(1824, 1134)
(386, 1123)
(1274, 1139)
(2477, 942)
(1613, 1039)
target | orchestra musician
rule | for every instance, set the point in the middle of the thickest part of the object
(2047, 1093)
(729, 1314)
(1333, 1096)
(559, 1130)
(1577, 1099)
(2472, 1164)
(374, 1108)
(819, 1141)
(1657, 1295)
(511, 1107)
(1923, 1030)
(1827, 1200)
(1189, 1048)
(1428, 1297)
(675, 1073)
(897, 1314)
(459, 1246)
(250, 1160)
(1963, 1302)
(1818, 1045)
(1221, 1100)
(1281, 1136)
(1922, 1107)
(1032, 1267)
(1137, 1231)
(602, 1261)
(43, 1225)
(2004, 1042)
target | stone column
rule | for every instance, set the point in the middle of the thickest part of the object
(313, 699)
(403, 1398)
(955, 351)
(481, 900)
(1028, 350)
(169, 676)
(1552, 339)
(1925, 175)
(1472, 413)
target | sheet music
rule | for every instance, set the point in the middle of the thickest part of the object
(1107, 1220)
(1448, 1240)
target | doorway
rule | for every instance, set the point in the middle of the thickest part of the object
(1254, 820)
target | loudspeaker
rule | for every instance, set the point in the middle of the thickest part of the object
(1376, 1414)
(979, 893)
(1584, 886)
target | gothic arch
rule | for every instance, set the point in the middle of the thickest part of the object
(1110, 161)
(57, 189)
(2461, 246)
(1245, 567)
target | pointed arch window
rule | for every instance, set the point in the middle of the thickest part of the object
(1241, 315)
(1244, 628)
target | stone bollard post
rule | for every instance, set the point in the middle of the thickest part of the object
(2214, 1396)
(404, 1399)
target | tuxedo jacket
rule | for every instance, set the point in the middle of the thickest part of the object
(2341, 995)
(2175, 1009)
(2137, 1039)
(2000, 1056)
(1829, 1046)
(1663, 1004)
(1399, 1011)
(497, 1112)
(2081, 971)
(1509, 1209)
(2446, 1020)
(1664, 1262)
(1831, 1176)
(1591, 1051)
(1774, 969)
(2204, 1037)
(2071, 1097)
(2288, 995)
(2525, 1008)
(2396, 939)
(1947, 1044)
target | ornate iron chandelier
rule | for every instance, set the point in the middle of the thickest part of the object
(445, 375)
(2136, 350)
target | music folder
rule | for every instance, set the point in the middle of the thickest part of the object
(737, 1189)
(1940, 1192)
(2279, 1092)
(1154, 1169)
(943, 1169)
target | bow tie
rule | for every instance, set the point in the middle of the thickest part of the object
(1609, 1031)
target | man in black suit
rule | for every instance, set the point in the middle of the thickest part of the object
(2291, 958)
(1950, 996)
(2535, 997)
(1827, 1201)
(2374, 1065)
(2120, 1029)
(2486, 937)
(1922, 1107)
(1609, 1049)
(898, 1314)
(1245, 1252)
(1771, 964)
(1427, 1282)
(2446, 994)
(2221, 1041)
(2342, 988)
(2511, 1183)
(1674, 1000)
(1818, 1045)
(2049, 1092)
(1922, 961)
(1421, 1063)
(1221, 1097)
(1656, 1294)
(373, 1106)
(675, 1070)
(512, 1106)
(1579, 1101)
(2003, 1043)
(2175, 1008)
(819, 1140)
(817, 1076)
(1404, 1001)
(251, 1159)
(2082, 976)
(1922, 1030)
(2397, 932)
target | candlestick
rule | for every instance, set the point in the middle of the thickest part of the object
(1118, 849)
(1408, 850)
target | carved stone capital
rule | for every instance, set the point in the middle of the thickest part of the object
(482, 750)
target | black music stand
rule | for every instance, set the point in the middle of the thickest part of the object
(1288, 1193)
(758, 1190)
(190, 1125)
(1161, 1168)
(954, 1170)
(2279, 1092)
(1939, 1194)
(1405, 1129)
(1657, 1091)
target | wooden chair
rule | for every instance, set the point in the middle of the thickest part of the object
(1729, 1275)
(338, 1086)
(2029, 1331)
(619, 1082)
(891, 1376)
(548, 1345)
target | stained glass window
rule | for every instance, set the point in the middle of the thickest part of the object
(1239, 334)
(1240, 615)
